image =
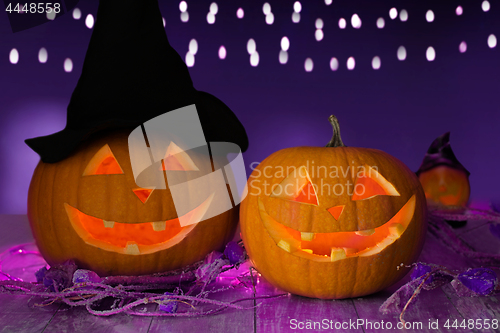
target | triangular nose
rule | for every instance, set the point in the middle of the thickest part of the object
(143, 193)
(336, 211)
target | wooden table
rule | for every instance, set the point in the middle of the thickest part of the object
(284, 314)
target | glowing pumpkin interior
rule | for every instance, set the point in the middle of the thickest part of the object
(329, 247)
(141, 237)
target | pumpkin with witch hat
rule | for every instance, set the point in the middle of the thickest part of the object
(444, 179)
(84, 202)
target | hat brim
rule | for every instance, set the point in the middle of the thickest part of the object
(219, 124)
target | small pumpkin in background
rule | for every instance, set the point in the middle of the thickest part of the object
(87, 207)
(333, 222)
(444, 179)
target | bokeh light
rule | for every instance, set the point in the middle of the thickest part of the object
(266, 8)
(430, 54)
(318, 35)
(254, 59)
(492, 41)
(222, 52)
(68, 65)
(43, 55)
(356, 21)
(285, 43)
(462, 47)
(297, 7)
(214, 9)
(401, 53)
(403, 15)
(376, 62)
(183, 6)
(334, 64)
(429, 16)
(485, 6)
(240, 13)
(270, 18)
(393, 13)
(319, 23)
(342, 23)
(89, 21)
(14, 56)
(351, 63)
(193, 46)
(77, 13)
(380, 23)
(283, 58)
(189, 59)
(308, 65)
(210, 18)
(251, 46)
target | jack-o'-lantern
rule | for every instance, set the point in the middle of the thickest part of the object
(87, 207)
(444, 179)
(88, 200)
(333, 222)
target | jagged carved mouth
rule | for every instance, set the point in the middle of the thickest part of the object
(134, 238)
(330, 247)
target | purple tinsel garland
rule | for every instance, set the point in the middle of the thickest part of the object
(187, 287)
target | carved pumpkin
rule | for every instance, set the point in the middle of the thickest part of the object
(88, 207)
(444, 179)
(333, 222)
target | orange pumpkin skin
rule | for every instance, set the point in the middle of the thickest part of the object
(350, 277)
(446, 186)
(111, 198)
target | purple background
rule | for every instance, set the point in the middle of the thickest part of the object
(400, 108)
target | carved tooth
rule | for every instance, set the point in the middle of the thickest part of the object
(132, 248)
(289, 244)
(308, 251)
(108, 224)
(337, 254)
(159, 226)
(285, 245)
(396, 230)
(366, 232)
(349, 251)
(307, 236)
(385, 242)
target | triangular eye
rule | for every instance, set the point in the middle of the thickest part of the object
(297, 186)
(103, 163)
(177, 159)
(143, 193)
(370, 183)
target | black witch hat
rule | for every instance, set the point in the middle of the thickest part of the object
(440, 153)
(131, 74)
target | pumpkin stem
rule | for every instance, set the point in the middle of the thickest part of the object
(336, 140)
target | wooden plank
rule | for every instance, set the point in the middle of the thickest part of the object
(228, 320)
(77, 319)
(430, 305)
(17, 316)
(475, 307)
(295, 313)
(481, 239)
